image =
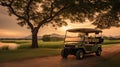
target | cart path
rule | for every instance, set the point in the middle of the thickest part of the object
(56, 61)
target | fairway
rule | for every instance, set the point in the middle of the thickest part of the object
(45, 49)
(10, 55)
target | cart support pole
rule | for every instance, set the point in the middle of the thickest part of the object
(65, 36)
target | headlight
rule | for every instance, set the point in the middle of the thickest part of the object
(63, 45)
(76, 46)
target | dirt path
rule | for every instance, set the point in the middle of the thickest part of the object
(57, 61)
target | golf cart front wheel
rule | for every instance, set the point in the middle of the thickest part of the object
(98, 53)
(64, 53)
(79, 54)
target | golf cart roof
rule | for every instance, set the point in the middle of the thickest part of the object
(85, 30)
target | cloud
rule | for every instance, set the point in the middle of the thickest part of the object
(113, 31)
(11, 34)
(3, 10)
(9, 27)
(7, 21)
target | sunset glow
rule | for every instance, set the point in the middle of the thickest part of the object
(64, 28)
(10, 34)
(10, 29)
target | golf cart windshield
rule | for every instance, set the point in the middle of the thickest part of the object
(74, 37)
(80, 35)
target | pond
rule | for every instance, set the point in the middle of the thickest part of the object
(8, 46)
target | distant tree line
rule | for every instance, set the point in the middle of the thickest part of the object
(49, 38)
(13, 39)
(111, 38)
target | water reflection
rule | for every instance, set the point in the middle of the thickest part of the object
(10, 46)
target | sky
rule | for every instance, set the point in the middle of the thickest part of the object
(10, 29)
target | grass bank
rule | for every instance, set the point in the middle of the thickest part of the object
(108, 42)
(10, 55)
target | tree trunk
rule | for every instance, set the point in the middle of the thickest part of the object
(34, 38)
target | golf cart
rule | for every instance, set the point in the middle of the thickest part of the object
(82, 41)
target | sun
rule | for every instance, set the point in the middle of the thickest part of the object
(65, 28)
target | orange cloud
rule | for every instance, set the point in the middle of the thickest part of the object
(9, 33)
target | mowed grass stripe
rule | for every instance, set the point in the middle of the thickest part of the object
(9, 55)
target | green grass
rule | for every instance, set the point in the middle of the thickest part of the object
(107, 42)
(24, 51)
(42, 44)
(57, 44)
(10, 55)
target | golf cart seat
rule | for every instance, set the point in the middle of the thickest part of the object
(96, 40)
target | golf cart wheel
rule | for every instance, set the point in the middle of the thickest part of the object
(79, 54)
(64, 53)
(98, 53)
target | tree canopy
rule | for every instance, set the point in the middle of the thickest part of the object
(42, 12)
(36, 13)
(109, 16)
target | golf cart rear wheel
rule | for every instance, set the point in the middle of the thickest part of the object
(64, 53)
(79, 54)
(98, 53)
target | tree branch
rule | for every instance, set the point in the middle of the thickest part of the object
(10, 6)
(51, 17)
(51, 10)
(31, 26)
(13, 11)
(27, 13)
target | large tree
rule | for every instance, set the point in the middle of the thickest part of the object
(109, 14)
(37, 13)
